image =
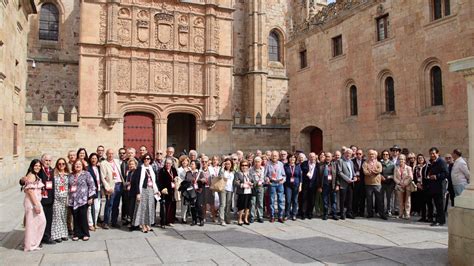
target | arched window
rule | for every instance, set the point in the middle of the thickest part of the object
(274, 46)
(389, 95)
(436, 86)
(353, 100)
(49, 22)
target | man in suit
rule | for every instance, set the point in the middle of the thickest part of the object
(328, 185)
(437, 173)
(346, 175)
(309, 186)
(47, 177)
(358, 201)
(112, 180)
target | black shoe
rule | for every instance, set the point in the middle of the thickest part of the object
(59, 240)
(303, 218)
(310, 217)
(343, 217)
(247, 223)
(116, 226)
(383, 217)
(49, 242)
(325, 217)
(422, 220)
(281, 220)
(260, 221)
(251, 220)
(370, 216)
(201, 223)
(293, 218)
(183, 221)
(350, 216)
(64, 238)
(334, 217)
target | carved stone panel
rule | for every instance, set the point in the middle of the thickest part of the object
(142, 74)
(183, 79)
(123, 75)
(101, 87)
(163, 77)
(164, 30)
(143, 28)
(199, 31)
(198, 75)
(183, 32)
(124, 31)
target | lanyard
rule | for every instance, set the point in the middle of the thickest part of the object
(292, 170)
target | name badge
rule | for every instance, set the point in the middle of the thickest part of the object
(260, 182)
(49, 184)
(196, 186)
(150, 183)
(114, 174)
(173, 185)
(274, 176)
(309, 174)
(329, 177)
(73, 189)
(292, 180)
(44, 194)
(207, 185)
(61, 188)
(246, 185)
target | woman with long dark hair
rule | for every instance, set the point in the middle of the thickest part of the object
(35, 221)
(94, 210)
(82, 155)
(421, 176)
(59, 231)
(81, 194)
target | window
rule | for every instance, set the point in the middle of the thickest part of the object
(49, 22)
(382, 28)
(337, 46)
(441, 8)
(15, 139)
(353, 100)
(303, 59)
(389, 95)
(436, 86)
(274, 47)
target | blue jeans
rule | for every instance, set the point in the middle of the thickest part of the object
(458, 189)
(278, 190)
(291, 194)
(329, 195)
(112, 205)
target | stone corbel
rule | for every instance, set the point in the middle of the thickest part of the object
(210, 124)
(111, 119)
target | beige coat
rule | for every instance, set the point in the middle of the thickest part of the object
(372, 174)
(108, 180)
(404, 177)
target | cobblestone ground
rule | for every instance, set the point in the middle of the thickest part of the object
(360, 241)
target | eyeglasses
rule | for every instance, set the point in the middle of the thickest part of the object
(159, 153)
(61, 164)
(386, 154)
(411, 158)
(358, 153)
(147, 158)
(246, 165)
(122, 153)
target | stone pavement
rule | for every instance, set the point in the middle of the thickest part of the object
(359, 242)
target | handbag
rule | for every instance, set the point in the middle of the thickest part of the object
(218, 184)
(412, 187)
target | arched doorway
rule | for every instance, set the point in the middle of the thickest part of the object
(138, 130)
(181, 130)
(311, 139)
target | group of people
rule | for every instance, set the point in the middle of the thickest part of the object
(65, 202)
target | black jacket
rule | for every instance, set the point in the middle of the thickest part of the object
(45, 178)
(309, 183)
(440, 169)
(95, 178)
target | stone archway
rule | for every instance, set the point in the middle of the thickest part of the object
(311, 139)
(181, 132)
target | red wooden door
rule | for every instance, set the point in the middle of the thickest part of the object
(138, 130)
(316, 136)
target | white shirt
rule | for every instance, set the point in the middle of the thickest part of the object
(214, 171)
(229, 186)
(460, 173)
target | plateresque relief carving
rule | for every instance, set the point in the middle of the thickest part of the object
(164, 30)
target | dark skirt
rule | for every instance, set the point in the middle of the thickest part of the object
(243, 201)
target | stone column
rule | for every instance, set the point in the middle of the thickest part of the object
(161, 129)
(257, 74)
(461, 217)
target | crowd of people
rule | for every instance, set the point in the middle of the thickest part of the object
(66, 202)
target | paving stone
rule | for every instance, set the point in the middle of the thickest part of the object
(76, 246)
(349, 257)
(131, 251)
(428, 253)
(76, 258)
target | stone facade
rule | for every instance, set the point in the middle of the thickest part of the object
(319, 95)
(14, 19)
(160, 57)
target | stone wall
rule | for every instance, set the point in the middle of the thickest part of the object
(319, 94)
(54, 81)
(13, 72)
(251, 138)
